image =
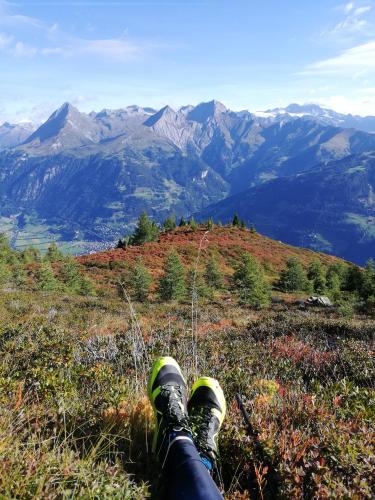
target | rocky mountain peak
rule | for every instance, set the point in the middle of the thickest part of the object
(164, 114)
(67, 125)
(205, 110)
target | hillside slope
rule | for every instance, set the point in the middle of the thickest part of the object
(330, 208)
(75, 420)
(225, 244)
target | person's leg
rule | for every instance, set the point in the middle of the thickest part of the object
(185, 475)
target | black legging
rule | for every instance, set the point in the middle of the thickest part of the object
(186, 477)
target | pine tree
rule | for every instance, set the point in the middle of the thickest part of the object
(86, 287)
(242, 224)
(45, 278)
(193, 225)
(5, 248)
(293, 278)
(145, 231)
(7, 254)
(210, 224)
(333, 285)
(182, 222)
(317, 276)
(252, 229)
(236, 221)
(19, 276)
(53, 254)
(196, 287)
(30, 255)
(140, 281)
(368, 280)
(353, 279)
(250, 283)
(213, 276)
(70, 274)
(5, 274)
(172, 283)
(170, 223)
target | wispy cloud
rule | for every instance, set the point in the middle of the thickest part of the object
(359, 58)
(115, 49)
(353, 23)
(8, 18)
(49, 40)
(12, 47)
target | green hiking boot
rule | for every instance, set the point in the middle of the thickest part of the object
(168, 395)
(207, 408)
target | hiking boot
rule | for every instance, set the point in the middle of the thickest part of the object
(207, 410)
(168, 396)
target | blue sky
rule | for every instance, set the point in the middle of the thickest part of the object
(249, 54)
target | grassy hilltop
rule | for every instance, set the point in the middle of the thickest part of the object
(76, 347)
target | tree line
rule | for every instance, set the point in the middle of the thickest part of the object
(29, 269)
(147, 230)
(249, 281)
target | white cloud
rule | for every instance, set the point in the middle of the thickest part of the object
(350, 24)
(348, 7)
(114, 49)
(49, 40)
(363, 105)
(7, 18)
(353, 22)
(360, 58)
(362, 10)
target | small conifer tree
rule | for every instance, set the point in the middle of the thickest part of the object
(45, 278)
(86, 287)
(213, 276)
(368, 280)
(70, 274)
(293, 278)
(140, 282)
(193, 225)
(182, 222)
(196, 286)
(172, 282)
(317, 276)
(53, 254)
(30, 255)
(353, 279)
(5, 248)
(236, 221)
(210, 224)
(250, 283)
(170, 223)
(19, 275)
(333, 286)
(145, 231)
(5, 274)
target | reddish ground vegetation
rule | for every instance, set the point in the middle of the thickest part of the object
(225, 243)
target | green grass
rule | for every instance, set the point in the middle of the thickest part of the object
(74, 420)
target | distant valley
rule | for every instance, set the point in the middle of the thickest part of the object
(302, 174)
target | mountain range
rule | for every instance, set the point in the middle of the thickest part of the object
(83, 178)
